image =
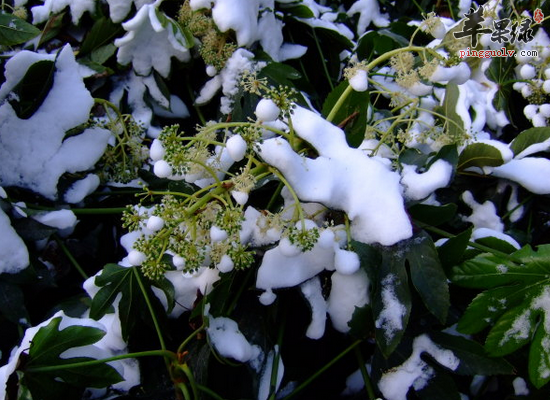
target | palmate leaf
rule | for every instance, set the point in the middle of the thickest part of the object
(45, 352)
(516, 304)
(115, 280)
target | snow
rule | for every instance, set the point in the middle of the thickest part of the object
(419, 186)
(267, 110)
(118, 9)
(347, 293)
(415, 372)
(229, 342)
(155, 223)
(346, 262)
(532, 173)
(520, 329)
(148, 44)
(14, 256)
(81, 188)
(390, 318)
(369, 11)
(483, 215)
(60, 219)
(236, 147)
(225, 264)
(51, 153)
(217, 234)
(342, 178)
(520, 387)
(77, 7)
(359, 81)
(312, 291)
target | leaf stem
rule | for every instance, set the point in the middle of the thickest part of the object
(364, 373)
(323, 369)
(161, 353)
(71, 257)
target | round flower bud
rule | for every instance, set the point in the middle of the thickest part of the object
(267, 110)
(136, 257)
(547, 73)
(156, 152)
(546, 86)
(544, 110)
(211, 70)
(155, 223)
(359, 81)
(236, 146)
(527, 71)
(530, 110)
(526, 91)
(179, 262)
(162, 169)
(538, 121)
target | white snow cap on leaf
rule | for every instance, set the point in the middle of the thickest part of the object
(34, 151)
(532, 173)
(228, 340)
(118, 9)
(369, 11)
(342, 178)
(419, 186)
(149, 44)
(483, 215)
(346, 293)
(14, 256)
(60, 219)
(81, 188)
(415, 372)
(77, 7)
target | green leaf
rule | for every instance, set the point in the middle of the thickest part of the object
(516, 304)
(32, 90)
(452, 251)
(373, 44)
(14, 30)
(30, 229)
(52, 28)
(472, 356)
(102, 34)
(45, 351)
(391, 302)
(528, 138)
(501, 71)
(361, 323)
(298, 11)
(512, 331)
(479, 155)
(428, 277)
(539, 358)
(101, 54)
(115, 280)
(454, 123)
(433, 215)
(12, 303)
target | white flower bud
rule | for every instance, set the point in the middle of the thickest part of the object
(267, 110)
(162, 169)
(156, 152)
(155, 223)
(544, 110)
(546, 86)
(359, 81)
(236, 146)
(527, 71)
(136, 257)
(530, 110)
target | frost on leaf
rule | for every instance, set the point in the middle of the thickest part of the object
(342, 178)
(152, 39)
(34, 151)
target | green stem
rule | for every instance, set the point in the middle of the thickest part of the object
(161, 353)
(150, 307)
(70, 257)
(187, 371)
(323, 369)
(323, 61)
(209, 392)
(190, 337)
(277, 357)
(364, 373)
(339, 103)
(275, 195)
(184, 390)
